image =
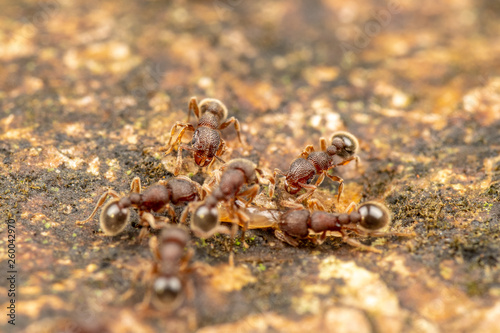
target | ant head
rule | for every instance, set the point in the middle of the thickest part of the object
(374, 215)
(214, 106)
(247, 167)
(168, 292)
(114, 218)
(346, 144)
(205, 220)
(204, 145)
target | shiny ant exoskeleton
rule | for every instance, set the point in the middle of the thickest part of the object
(156, 198)
(302, 170)
(237, 173)
(168, 289)
(206, 143)
(366, 220)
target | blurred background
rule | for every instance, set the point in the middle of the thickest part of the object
(90, 89)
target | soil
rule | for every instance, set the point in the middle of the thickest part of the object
(90, 90)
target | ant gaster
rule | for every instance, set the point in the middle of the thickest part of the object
(302, 170)
(367, 220)
(206, 143)
(156, 198)
(237, 173)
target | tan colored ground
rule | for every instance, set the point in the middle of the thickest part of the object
(90, 90)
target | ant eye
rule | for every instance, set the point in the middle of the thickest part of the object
(113, 218)
(167, 289)
(205, 219)
(373, 215)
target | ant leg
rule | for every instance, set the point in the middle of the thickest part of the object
(135, 185)
(185, 127)
(286, 238)
(291, 204)
(101, 201)
(146, 302)
(358, 160)
(357, 244)
(312, 203)
(186, 258)
(147, 219)
(186, 211)
(389, 233)
(321, 238)
(153, 246)
(222, 148)
(307, 150)
(244, 221)
(251, 192)
(322, 143)
(352, 206)
(236, 126)
(262, 178)
(193, 106)
(132, 289)
(178, 162)
(355, 157)
(143, 233)
(341, 184)
(273, 181)
(309, 191)
(310, 188)
(210, 183)
(206, 189)
(220, 152)
(171, 212)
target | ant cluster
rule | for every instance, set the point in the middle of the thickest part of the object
(231, 189)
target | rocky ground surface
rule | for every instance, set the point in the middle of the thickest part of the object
(89, 91)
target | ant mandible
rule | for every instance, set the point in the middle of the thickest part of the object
(366, 220)
(206, 143)
(302, 170)
(157, 198)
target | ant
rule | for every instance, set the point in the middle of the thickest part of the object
(205, 221)
(367, 219)
(156, 198)
(302, 170)
(206, 143)
(169, 288)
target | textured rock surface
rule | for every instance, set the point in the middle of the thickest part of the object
(90, 90)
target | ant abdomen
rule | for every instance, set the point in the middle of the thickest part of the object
(205, 219)
(373, 215)
(114, 218)
(214, 106)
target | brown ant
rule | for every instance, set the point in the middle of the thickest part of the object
(367, 219)
(302, 170)
(156, 198)
(237, 173)
(169, 287)
(206, 143)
